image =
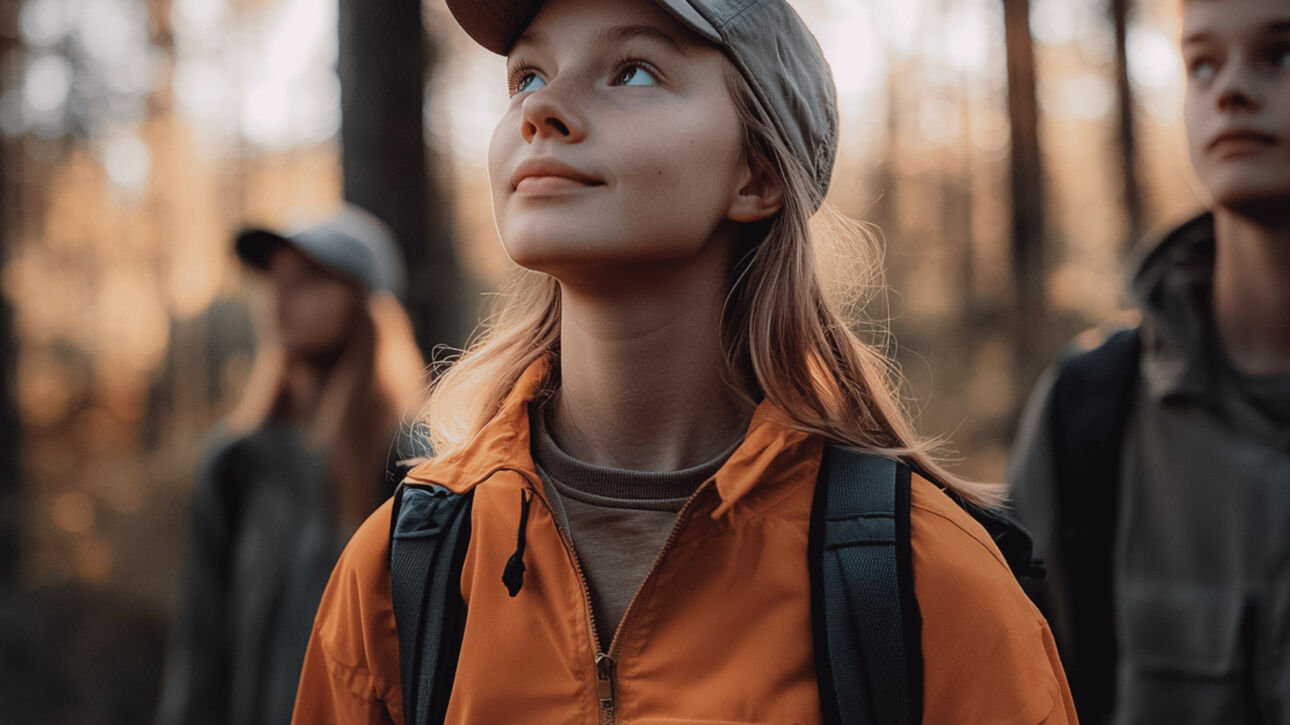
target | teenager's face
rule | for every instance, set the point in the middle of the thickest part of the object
(309, 309)
(621, 144)
(1237, 110)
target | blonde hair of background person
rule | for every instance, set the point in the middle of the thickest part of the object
(374, 382)
(293, 470)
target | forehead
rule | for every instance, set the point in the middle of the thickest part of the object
(287, 260)
(606, 20)
(1234, 19)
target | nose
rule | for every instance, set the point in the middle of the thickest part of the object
(551, 112)
(1236, 87)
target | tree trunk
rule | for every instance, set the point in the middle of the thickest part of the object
(383, 68)
(1026, 182)
(957, 213)
(1126, 138)
(10, 486)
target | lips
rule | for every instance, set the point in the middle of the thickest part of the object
(549, 172)
(1241, 138)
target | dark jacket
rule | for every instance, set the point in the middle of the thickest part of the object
(1200, 564)
(262, 546)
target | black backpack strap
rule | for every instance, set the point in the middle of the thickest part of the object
(865, 619)
(429, 533)
(1091, 405)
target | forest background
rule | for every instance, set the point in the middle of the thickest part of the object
(1012, 152)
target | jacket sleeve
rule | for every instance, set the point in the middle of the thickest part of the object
(333, 693)
(1032, 486)
(351, 668)
(195, 686)
(988, 654)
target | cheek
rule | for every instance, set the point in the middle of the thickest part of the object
(265, 309)
(501, 147)
(324, 313)
(1280, 109)
(1194, 118)
(697, 166)
(1198, 127)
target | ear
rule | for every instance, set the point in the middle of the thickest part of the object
(760, 195)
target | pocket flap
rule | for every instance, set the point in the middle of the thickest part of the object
(1171, 630)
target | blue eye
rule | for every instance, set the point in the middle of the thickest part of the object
(1202, 70)
(529, 82)
(1281, 58)
(634, 75)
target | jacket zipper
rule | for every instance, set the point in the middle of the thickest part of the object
(681, 518)
(605, 686)
(605, 663)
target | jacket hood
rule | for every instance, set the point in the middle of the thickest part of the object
(1182, 353)
(1172, 283)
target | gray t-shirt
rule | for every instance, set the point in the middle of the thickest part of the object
(617, 519)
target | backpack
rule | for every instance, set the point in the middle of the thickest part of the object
(865, 621)
(1091, 403)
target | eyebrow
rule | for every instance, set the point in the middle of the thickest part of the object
(616, 34)
(621, 33)
(1276, 27)
(537, 40)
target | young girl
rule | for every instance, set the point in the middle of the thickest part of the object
(649, 408)
(296, 467)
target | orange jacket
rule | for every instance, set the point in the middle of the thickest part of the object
(719, 632)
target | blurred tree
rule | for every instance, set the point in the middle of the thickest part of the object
(1126, 138)
(957, 212)
(1026, 182)
(384, 64)
(957, 219)
(10, 491)
(884, 213)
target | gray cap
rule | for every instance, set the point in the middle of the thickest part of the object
(352, 242)
(767, 41)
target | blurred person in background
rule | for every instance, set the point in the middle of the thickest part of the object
(294, 469)
(1154, 469)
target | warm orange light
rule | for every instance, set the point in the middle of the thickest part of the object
(73, 512)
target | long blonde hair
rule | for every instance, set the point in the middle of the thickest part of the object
(377, 379)
(784, 338)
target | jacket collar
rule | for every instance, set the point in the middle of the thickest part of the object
(1183, 355)
(1173, 285)
(504, 444)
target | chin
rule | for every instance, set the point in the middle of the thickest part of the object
(544, 254)
(589, 250)
(1249, 198)
(1247, 184)
(567, 261)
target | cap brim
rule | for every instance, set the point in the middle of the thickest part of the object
(497, 24)
(254, 246)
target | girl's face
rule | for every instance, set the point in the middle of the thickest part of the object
(309, 310)
(621, 144)
(1237, 109)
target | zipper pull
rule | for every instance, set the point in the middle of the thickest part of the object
(605, 682)
(513, 574)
